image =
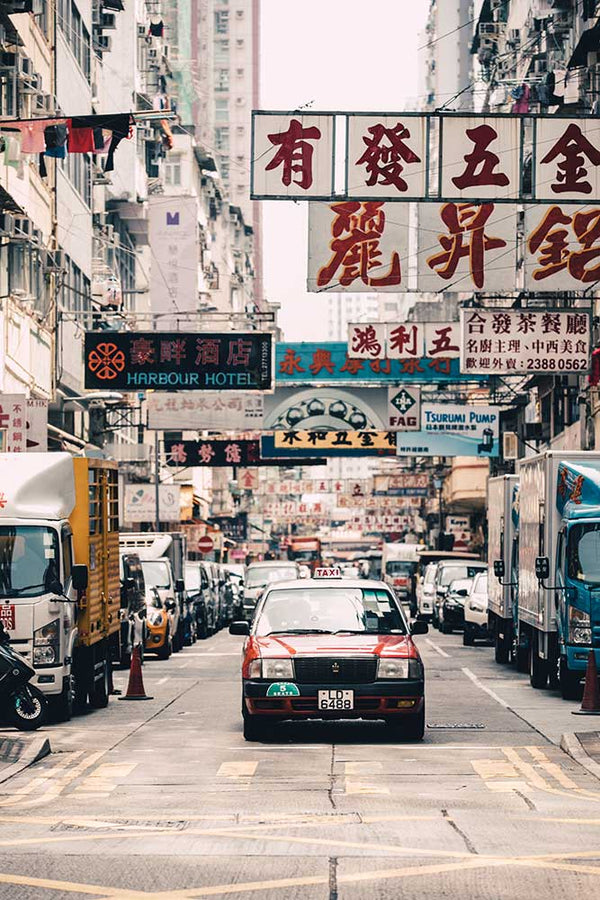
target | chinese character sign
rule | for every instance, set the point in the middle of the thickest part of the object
(386, 156)
(406, 340)
(13, 422)
(178, 360)
(355, 246)
(173, 236)
(450, 429)
(292, 155)
(465, 246)
(212, 453)
(328, 443)
(562, 247)
(481, 157)
(327, 408)
(204, 411)
(409, 484)
(567, 159)
(509, 341)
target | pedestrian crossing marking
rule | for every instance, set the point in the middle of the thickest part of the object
(359, 787)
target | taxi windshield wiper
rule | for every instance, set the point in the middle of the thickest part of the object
(300, 631)
(366, 631)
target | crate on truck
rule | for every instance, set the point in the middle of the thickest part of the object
(59, 572)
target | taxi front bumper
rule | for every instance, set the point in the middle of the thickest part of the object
(379, 699)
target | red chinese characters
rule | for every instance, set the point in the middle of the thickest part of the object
(386, 156)
(466, 238)
(293, 156)
(568, 159)
(479, 158)
(563, 247)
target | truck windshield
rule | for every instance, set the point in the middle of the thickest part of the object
(399, 567)
(307, 555)
(583, 553)
(156, 573)
(29, 560)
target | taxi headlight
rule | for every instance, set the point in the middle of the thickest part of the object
(579, 627)
(392, 668)
(277, 669)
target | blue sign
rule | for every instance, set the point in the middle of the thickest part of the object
(452, 429)
(328, 363)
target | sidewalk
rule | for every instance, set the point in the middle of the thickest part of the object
(584, 747)
(18, 751)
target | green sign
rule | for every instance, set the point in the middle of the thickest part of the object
(283, 689)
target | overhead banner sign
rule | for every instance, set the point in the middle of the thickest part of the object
(204, 411)
(357, 487)
(509, 341)
(13, 423)
(178, 360)
(477, 157)
(329, 363)
(212, 453)
(452, 429)
(139, 504)
(409, 484)
(405, 340)
(173, 236)
(331, 408)
(328, 443)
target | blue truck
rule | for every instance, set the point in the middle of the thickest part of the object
(559, 566)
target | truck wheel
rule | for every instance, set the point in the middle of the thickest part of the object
(61, 707)
(538, 667)
(165, 650)
(468, 639)
(446, 627)
(570, 682)
(501, 648)
(99, 692)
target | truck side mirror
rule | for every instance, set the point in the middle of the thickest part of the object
(542, 568)
(239, 628)
(130, 584)
(499, 568)
(179, 585)
(79, 576)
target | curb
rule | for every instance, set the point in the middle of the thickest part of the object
(572, 746)
(21, 753)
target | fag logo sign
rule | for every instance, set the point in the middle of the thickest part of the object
(404, 409)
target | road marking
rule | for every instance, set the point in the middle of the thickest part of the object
(242, 769)
(206, 653)
(482, 687)
(437, 649)
(494, 768)
(359, 787)
(362, 768)
(162, 680)
(551, 768)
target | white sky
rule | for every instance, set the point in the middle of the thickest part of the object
(340, 54)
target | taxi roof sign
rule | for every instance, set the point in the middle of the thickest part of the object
(328, 572)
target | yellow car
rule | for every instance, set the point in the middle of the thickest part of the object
(160, 625)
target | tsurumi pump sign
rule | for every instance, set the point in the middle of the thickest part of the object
(449, 429)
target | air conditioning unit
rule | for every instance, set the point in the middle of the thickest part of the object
(37, 237)
(562, 21)
(43, 104)
(31, 84)
(153, 54)
(486, 42)
(514, 36)
(3, 39)
(23, 228)
(496, 4)
(7, 225)
(25, 67)
(8, 60)
(103, 43)
(142, 31)
(108, 21)
(487, 28)
(55, 261)
(510, 445)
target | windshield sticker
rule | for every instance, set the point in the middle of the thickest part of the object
(283, 689)
(49, 553)
(47, 538)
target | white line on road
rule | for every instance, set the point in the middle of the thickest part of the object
(437, 649)
(206, 652)
(487, 690)
(162, 680)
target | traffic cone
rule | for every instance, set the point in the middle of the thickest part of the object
(590, 703)
(135, 688)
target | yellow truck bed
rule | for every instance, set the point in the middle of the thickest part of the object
(95, 524)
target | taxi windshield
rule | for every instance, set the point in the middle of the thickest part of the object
(330, 610)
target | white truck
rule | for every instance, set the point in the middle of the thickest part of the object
(399, 568)
(163, 557)
(503, 536)
(59, 572)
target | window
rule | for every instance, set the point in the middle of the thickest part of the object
(76, 34)
(28, 560)
(67, 553)
(239, 43)
(222, 21)
(221, 111)
(77, 167)
(222, 139)
(239, 13)
(173, 170)
(222, 80)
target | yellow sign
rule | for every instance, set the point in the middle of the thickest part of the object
(331, 440)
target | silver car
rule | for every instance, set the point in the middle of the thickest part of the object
(261, 574)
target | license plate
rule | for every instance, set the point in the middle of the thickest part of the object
(336, 700)
(7, 616)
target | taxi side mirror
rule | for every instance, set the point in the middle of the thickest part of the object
(419, 627)
(499, 568)
(239, 628)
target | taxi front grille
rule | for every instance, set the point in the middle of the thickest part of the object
(335, 670)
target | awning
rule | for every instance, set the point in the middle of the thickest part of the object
(7, 204)
(588, 42)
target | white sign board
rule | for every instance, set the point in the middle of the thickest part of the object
(292, 155)
(404, 340)
(457, 523)
(507, 341)
(404, 408)
(204, 410)
(173, 236)
(140, 503)
(480, 151)
(567, 158)
(13, 422)
(358, 247)
(37, 426)
(248, 479)
(561, 248)
(387, 156)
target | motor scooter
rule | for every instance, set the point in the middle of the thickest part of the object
(21, 704)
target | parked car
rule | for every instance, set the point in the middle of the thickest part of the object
(452, 607)
(426, 593)
(160, 617)
(261, 574)
(476, 611)
(199, 598)
(132, 613)
(211, 586)
(159, 574)
(447, 571)
(236, 578)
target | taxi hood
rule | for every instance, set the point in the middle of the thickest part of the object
(286, 645)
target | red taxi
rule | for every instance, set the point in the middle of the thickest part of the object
(331, 648)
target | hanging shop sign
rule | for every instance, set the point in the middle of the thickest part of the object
(409, 484)
(330, 363)
(509, 341)
(13, 423)
(139, 504)
(173, 236)
(404, 340)
(334, 408)
(37, 425)
(248, 479)
(233, 527)
(204, 411)
(178, 360)
(561, 247)
(212, 453)
(452, 429)
(388, 156)
(328, 443)
(357, 487)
